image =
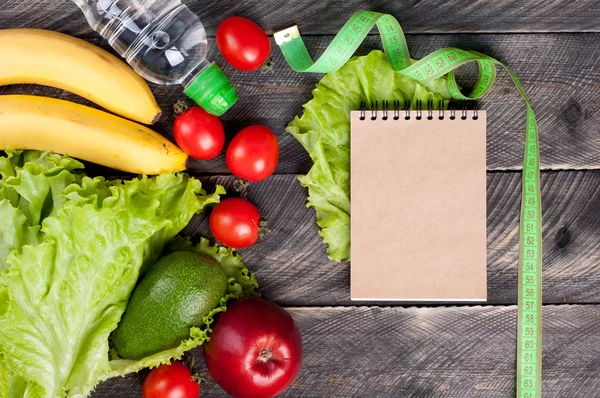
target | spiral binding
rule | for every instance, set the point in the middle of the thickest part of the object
(463, 106)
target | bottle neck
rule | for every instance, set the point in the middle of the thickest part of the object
(193, 74)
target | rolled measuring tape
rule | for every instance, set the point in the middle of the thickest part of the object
(440, 63)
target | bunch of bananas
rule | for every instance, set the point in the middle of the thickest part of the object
(34, 56)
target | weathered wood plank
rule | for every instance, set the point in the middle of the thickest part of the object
(326, 17)
(424, 352)
(565, 97)
(293, 269)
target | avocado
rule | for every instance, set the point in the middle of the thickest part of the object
(175, 294)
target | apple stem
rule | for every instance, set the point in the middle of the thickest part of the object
(265, 355)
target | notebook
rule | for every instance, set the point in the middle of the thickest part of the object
(418, 206)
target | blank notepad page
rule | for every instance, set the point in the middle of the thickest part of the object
(418, 208)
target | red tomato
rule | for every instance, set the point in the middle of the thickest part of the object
(235, 223)
(255, 349)
(253, 153)
(170, 381)
(243, 43)
(199, 134)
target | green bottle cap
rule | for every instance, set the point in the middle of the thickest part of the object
(212, 91)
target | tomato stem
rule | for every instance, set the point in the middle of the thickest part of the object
(262, 227)
(268, 65)
(240, 185)
(201, 377)
(180, 107)
(191, 362)
(197, 378)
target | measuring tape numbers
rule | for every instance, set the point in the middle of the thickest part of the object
(440, 63)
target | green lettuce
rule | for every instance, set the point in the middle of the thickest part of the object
(324, 131)
(71, 250)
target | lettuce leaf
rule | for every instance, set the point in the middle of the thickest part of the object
(71, 250)
(324, 131)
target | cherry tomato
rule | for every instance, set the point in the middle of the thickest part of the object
(170, 381)
(199, 134)
(243, 43)
(235, 223)
(253, 153)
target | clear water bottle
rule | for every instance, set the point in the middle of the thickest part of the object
(164, 42)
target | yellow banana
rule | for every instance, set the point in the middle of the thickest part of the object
(36, 56)
(49, 124)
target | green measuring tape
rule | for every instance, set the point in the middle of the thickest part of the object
(437, 64)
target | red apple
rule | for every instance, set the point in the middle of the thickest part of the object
(255, 349)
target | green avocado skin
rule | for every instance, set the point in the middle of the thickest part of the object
(177, 292)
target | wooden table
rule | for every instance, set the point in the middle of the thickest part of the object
(352, 349)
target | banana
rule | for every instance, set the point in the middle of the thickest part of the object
(49, 124)
(36, 56)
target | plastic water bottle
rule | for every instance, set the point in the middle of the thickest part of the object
(164, 42)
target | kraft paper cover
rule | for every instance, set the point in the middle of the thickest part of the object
(418, 208)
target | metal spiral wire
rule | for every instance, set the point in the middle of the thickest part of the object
(454, 108)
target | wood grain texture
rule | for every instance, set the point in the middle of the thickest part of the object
(416, 352)
(564, 91)
(292, 267)
(326, 17)
(451, 352)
